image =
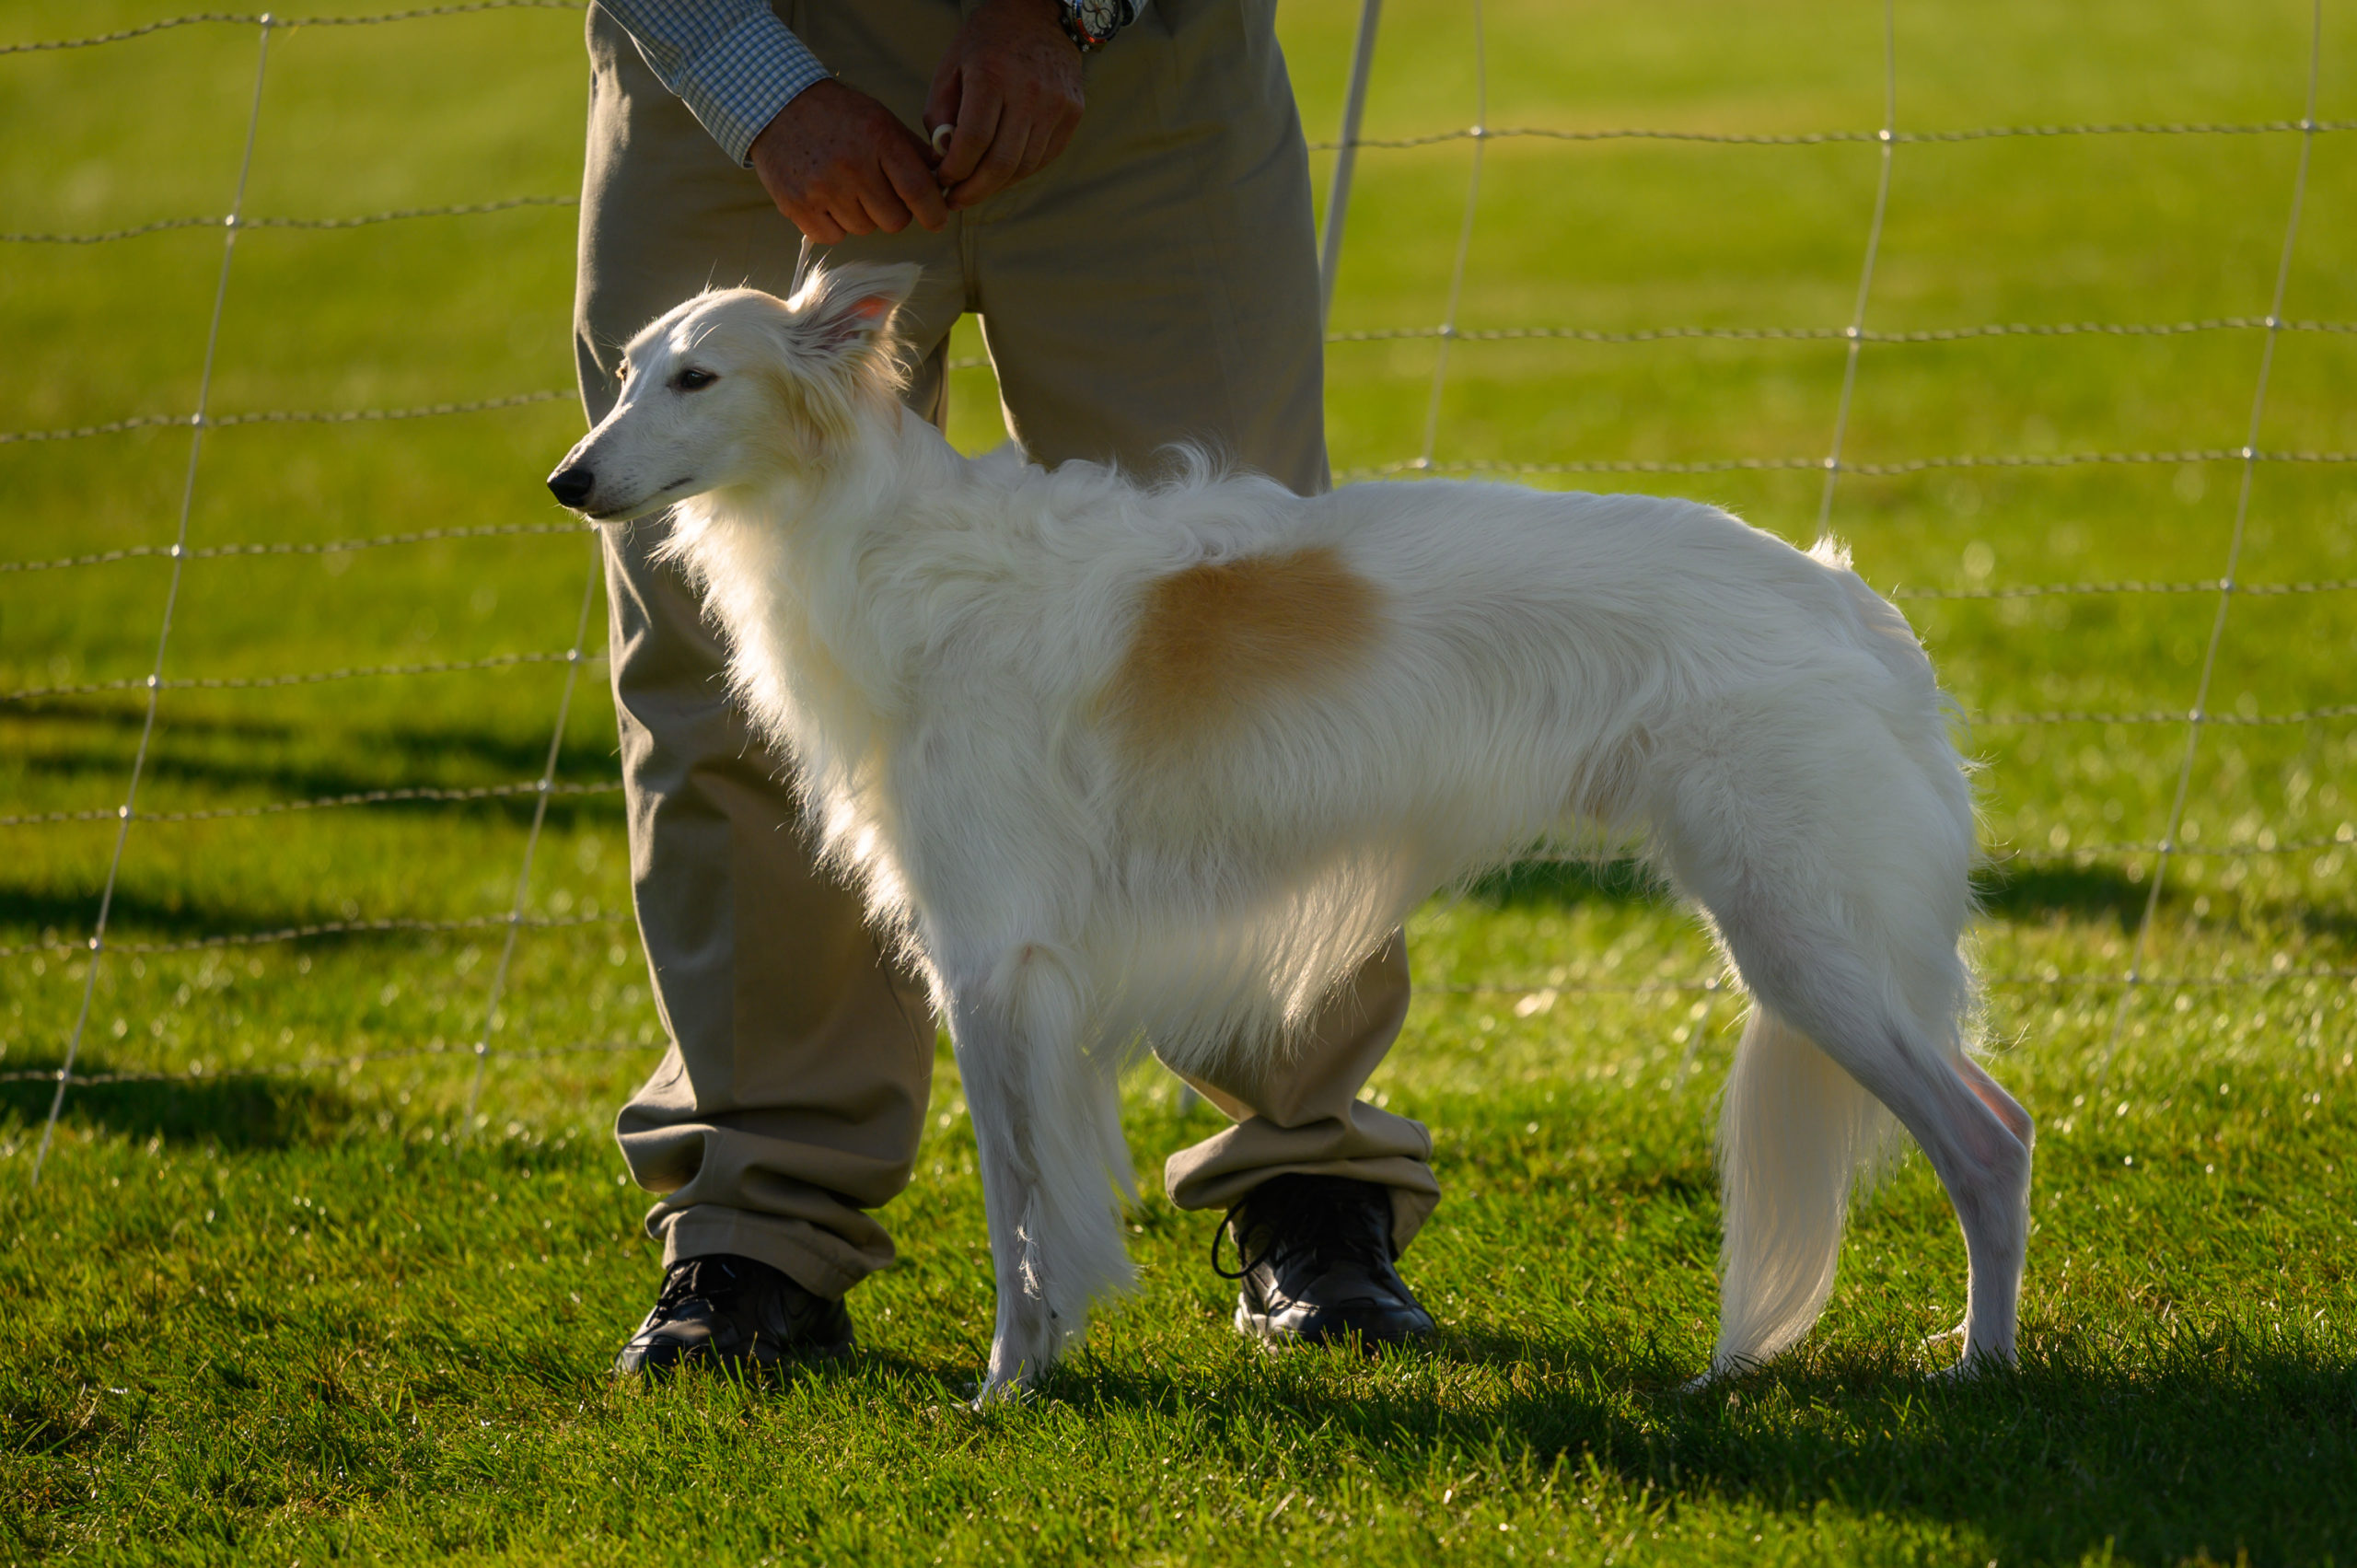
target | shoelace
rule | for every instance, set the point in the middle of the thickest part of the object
(694, 1281)
(1322, 1228)
(1226, 1229)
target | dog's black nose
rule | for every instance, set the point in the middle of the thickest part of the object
(571, 486)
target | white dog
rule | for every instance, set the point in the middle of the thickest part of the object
(1163, 763)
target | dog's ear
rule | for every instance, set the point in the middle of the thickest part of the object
(844, 313)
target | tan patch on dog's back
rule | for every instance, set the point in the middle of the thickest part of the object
(1213, 640)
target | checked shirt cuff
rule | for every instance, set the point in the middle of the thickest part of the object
(735, 82)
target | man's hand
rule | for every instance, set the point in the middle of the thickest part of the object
(837, 162)
(1011, 86)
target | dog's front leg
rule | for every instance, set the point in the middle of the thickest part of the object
(999, 1075)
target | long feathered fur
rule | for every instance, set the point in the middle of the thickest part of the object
(1126, 762)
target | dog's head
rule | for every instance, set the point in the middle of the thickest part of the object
(736, 388)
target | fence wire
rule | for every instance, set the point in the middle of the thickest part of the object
(319, 803)
(2201, 716)
(155, 683)
(293, 678)
(1477, 131)
(165, 225)
(590, 581)
(1856, 337)
(286, 416)
(406, 924)
(265, 19)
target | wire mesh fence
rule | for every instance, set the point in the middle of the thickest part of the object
(2194, 707)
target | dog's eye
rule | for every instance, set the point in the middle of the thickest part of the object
(692, 381)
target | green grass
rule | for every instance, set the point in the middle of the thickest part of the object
(294, 1308)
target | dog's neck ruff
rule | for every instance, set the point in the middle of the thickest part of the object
(787, 567)
(830, 590)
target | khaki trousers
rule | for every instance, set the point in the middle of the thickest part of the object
(1157, 281)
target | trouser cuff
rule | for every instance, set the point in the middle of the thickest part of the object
(819, 1260)
(1218, 1172)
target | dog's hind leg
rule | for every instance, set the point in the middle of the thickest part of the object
(1837, 873)
(2017, 1122)
(1992, 1094)
(1046, 1132)
(1792, 1133)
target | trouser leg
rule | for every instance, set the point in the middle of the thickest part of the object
(1304, 1115)
(791, 1100)
(1159, 283)
(1135, 296)
(792, 1094)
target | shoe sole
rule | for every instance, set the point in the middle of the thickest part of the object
(735, 1365)
(1257, 1326)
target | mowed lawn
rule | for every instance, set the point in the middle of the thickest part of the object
(278, 1299)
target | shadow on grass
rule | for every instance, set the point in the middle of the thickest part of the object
(2011, 891)
(2021, 892)
(2015, 891)
(2194, 1442)
(139, 915)
(232, 1110)
(284, 762)
(1566, 884)
(2106, 894)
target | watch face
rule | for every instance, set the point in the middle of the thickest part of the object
(1099, 17)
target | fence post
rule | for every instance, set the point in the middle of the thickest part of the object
(1338, 202)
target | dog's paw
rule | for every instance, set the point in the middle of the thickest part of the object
(1974, 1365)
(1013, 1371)
(1000, 1393)
(1721, 1372)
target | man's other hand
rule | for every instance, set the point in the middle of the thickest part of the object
(837, 162)
(1010, 85)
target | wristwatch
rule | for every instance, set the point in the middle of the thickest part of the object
(1091, 24)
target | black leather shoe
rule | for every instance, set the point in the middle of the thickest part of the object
(1315, 1264)
(734, 1315)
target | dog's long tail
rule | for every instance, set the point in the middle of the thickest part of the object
(1796, 1134)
